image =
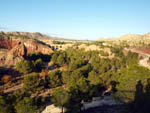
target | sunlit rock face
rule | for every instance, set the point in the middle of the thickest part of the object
(34, 46)
(53, 109)
(16, 54)
(7, 42)
(14, 49)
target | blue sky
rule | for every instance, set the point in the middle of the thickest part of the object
(78, 19)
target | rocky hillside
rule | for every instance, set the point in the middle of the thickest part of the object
(14, 47)
(132, 39)
(36, 35)
(136, 37)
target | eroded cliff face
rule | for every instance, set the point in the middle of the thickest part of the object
(35, 46)
(16, 54)
(7, 42)
(14, 49)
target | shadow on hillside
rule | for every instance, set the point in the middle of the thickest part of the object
(142, 99)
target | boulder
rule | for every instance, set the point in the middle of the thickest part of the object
(52, 109)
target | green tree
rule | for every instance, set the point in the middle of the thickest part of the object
(38, 64)
(54, 78)
(74, 100)
(85, 70)
(61, 60)
(95, 63)
(66, 76)
(118, 52)
(37, 55)
(74, 78)
(104, 53)
(4, 106)
(84, 88)
(60, 97)
(18, 96)
(26, 105)
(128, 78)
(76, 63)
(25, 66)
(54, 56)
(32, 83)
(94, 78)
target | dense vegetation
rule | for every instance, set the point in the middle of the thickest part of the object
(58, 42)
(77, 76)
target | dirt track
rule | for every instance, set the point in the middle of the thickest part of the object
(12, 89)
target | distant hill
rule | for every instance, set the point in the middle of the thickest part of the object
(37, 35)
(131, 39)
(135, 37)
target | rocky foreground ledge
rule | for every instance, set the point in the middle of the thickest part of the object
(107, 104)
(108, 109)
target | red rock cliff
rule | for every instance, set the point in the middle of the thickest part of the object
(14, 49)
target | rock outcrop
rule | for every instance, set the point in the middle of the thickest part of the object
(6, 41)
(14, 48)
(16, 54)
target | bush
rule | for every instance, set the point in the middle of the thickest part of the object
(37, 55)
(59, 58)
(60, 97)
(58, 42)
(4, 106)
(94, 78)
(38, 65)
(32, 83)
(1, 91)
(128, 79)
(54, 79)
(66, 76)
(26, 106)
(25, 66)
(6, 78)
(103, 53)
(118, 52)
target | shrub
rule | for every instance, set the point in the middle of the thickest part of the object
(38, 65)
(6, 78)
(37, 55)
(4, 106)
(128, 79)
(33, 83)
(25, 66)
(54, 79)
(26, 106)
(60, 97)
(103, 53)
(94, 78)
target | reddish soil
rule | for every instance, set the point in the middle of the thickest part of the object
(143, 50)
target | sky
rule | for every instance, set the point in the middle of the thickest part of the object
(76, 19)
